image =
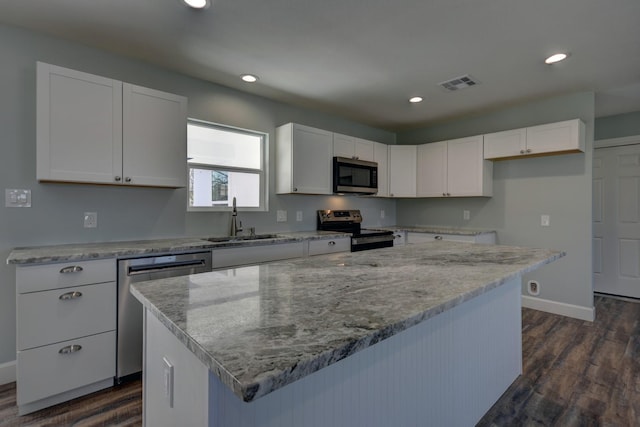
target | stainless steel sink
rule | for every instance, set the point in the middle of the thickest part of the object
(241, 238)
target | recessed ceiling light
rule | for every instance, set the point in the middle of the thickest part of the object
(249, 78)
(197, 4)
(415, 99)
(556, 58)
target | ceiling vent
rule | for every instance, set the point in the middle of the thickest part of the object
(459, 83)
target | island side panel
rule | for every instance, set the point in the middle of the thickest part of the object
(448, 370)
(177, 398)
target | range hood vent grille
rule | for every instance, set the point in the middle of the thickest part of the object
(459, 83)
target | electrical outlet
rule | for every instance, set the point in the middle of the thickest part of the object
(298, 216)
(281, 216)
(90, 219)
(466, 215)
(545, 220)
(533, 287)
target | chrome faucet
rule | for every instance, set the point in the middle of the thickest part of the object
(234, 220)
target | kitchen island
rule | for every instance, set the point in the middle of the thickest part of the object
(427, 334)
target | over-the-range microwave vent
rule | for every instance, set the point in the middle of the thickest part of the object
(459, 83)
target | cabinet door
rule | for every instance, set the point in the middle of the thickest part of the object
(363, 149)
(312, 160)
(509, 143)
(432, 170)
(154, 138)
(402, 170)
(380, 156)
(468, 174)
(78, 126)
(343, 146)
(567, 136)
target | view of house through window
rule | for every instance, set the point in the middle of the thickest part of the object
(224, 163)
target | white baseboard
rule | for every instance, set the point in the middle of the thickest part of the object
(7, 372)
(569, 310)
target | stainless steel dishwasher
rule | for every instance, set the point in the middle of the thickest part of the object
(129, 332)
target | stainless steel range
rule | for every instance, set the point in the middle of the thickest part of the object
(348, 221)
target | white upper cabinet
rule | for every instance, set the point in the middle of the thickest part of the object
(154, 137)
(352, 147)
(454, 168)
(79, 126)
(544, 140)
(380, 156)
(93, 129)
(432, 170)
(303, 160)
(468, 174)
(402, 170)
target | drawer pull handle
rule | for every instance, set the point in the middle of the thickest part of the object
(70, 295)
(71, 269)
(331, 243)
(73, 348)
(438, 237)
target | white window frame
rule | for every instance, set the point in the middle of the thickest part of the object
(263, 171)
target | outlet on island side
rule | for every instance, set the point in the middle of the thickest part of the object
(533, 287)
(466, 215)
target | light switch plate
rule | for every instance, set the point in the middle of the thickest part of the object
(466, 215)
(17, 198)
(298, 216)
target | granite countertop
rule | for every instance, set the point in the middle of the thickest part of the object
(124, 249)
(259, 328)
(437, 229)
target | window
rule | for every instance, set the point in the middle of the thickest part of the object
(224, 163)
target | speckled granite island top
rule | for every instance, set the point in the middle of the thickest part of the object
(262, 327)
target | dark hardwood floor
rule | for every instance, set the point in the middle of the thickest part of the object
(575, 373)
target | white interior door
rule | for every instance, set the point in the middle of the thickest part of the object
(616, 220)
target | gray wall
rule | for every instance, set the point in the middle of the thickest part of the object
(132, 213)
(559, 186)
(617, 126)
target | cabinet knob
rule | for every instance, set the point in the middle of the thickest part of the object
(127, 179)
(73, 348)
(70, 295)
(448, 194)
(71, 269)
(438, 237)
(118, 179)
(444, 194)
(528, 150)
(391, 194)
(522, 151)
(331, 243)
(295, 188)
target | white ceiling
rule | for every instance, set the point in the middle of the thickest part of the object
(362, 59)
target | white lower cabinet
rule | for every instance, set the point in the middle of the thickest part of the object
(414, 238)
(64, 366)
(65, 331)
(329, 246)
(243, 255)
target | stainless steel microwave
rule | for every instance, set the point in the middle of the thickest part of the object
(354, 176)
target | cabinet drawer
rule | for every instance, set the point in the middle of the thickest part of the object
(430, 237)
(230, 257)
(46, 371)
(62, 314)
(63, 275)
(319, 247)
